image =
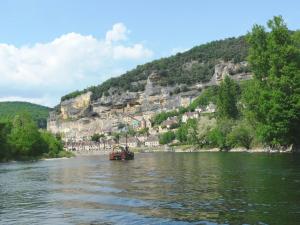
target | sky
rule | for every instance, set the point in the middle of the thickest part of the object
(49, 48)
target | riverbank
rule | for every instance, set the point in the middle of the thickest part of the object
(184, 148)
(60, 155)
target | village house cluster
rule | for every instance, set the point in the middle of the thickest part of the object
(137, 123)
(107, 145)
(173, 122)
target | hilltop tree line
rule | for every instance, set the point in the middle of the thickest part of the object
(39, 113)
(195, 65)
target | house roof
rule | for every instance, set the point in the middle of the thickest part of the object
(191, 113)
(129, 140)
(152, 138)
(169, 122)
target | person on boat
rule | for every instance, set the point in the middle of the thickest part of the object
(126, 148)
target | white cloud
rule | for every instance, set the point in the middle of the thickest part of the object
(43, 72)
(118, 33)
(45, 100)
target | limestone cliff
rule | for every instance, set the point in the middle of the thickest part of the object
(80, 117)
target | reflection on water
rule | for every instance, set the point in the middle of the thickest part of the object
(159, 188)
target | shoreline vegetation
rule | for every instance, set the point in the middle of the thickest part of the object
(189, 149)
(22, 140)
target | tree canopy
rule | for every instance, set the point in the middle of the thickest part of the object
(227, 99)
(273, 100)
(21, 139)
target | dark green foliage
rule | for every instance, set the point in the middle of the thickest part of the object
(20, 139)
(227, 99)
(160, 117)
(72, 95)
(218, 136)
(144, 131)
(187, 132)
(273, 101)
(96, 137)
(53, 146)
(8, 110)
(241, 136)
(131, 131)
(175, 70)
(4, 148)
(24, 138)
(121, 126)
(166, 138)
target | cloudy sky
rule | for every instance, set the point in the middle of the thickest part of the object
(50, 48)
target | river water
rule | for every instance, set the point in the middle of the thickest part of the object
(155, 188)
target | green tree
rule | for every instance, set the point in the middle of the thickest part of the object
(167, 137)
(218, 136)
(207, 95)
(53, 144)
(4, 147)
(240, 136)
(96, 137)
(227, 99)
(187, 132)
(273, 101)
(25, 139)
(116, 136)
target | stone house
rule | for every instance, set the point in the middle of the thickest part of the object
(189, 115)
(170, 122)
(132, 142)
(142, 138)
(210, 108)
(152, 141)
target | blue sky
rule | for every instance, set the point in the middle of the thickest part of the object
(66, 43)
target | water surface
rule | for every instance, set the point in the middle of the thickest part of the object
(155, 188)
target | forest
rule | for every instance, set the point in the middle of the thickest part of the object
(39, 113)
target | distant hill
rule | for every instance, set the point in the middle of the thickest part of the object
(38, 112)
(190, 67)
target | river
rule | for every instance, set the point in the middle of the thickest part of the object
(155, 188)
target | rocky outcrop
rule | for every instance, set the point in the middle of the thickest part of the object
(80, 117)
(76, 107)
(238, 71)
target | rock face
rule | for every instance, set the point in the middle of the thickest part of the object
(76, 107)
(80, 117)
(236, 71)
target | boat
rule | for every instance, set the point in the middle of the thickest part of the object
(121, 153)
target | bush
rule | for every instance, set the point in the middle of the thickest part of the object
(187, 132)
(166, 138)
(159, 118)
(240, 136)
(54, 145)
(217, 137)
